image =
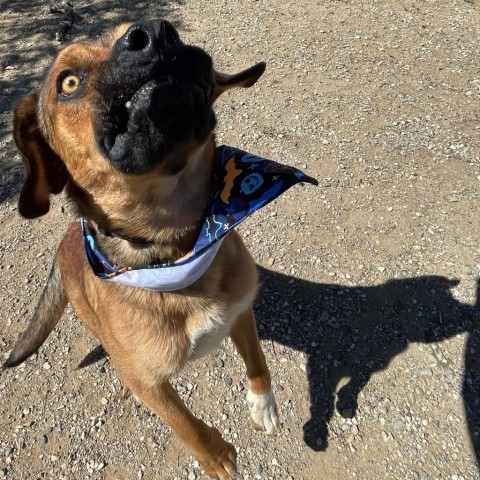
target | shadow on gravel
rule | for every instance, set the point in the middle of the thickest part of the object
(35, 25)
(353, 332)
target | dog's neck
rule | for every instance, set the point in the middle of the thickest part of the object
(242, 183)
(169, 216)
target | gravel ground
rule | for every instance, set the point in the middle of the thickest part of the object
(368, 312)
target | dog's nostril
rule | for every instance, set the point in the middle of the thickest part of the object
(137, 38)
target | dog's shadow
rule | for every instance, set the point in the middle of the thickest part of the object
(353, 332)
(356, 331)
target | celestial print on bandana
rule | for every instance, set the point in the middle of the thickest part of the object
(244, 183)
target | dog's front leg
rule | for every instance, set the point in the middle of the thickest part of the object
(260, 399)
(216, 456)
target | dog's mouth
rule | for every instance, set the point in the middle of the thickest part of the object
(154, 105)
(127, 119)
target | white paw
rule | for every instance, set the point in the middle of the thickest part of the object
(263, 411)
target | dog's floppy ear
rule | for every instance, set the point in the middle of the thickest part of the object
(44, 170)
(244, 79)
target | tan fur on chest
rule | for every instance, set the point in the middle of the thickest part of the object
(152, 335)
(209, 331)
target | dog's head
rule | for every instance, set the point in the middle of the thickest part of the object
(118, 115)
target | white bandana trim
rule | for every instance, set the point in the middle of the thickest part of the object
(171, 278)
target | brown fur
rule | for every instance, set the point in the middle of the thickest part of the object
(148, 335)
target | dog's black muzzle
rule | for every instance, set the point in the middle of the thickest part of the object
(155, 97)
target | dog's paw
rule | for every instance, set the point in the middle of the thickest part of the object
(220, 460)
(263, 411)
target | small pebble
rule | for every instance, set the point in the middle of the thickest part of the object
(306, 368)
(399, 424)
(20, 443)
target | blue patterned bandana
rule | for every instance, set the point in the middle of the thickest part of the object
(244, 184)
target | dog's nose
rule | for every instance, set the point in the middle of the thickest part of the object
(150, 38)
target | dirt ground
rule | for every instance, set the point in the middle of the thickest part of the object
(369, 309)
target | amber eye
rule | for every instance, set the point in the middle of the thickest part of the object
(70, 84)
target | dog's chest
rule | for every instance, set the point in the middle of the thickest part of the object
(214, 328)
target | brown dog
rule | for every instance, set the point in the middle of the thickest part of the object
(125, 125)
